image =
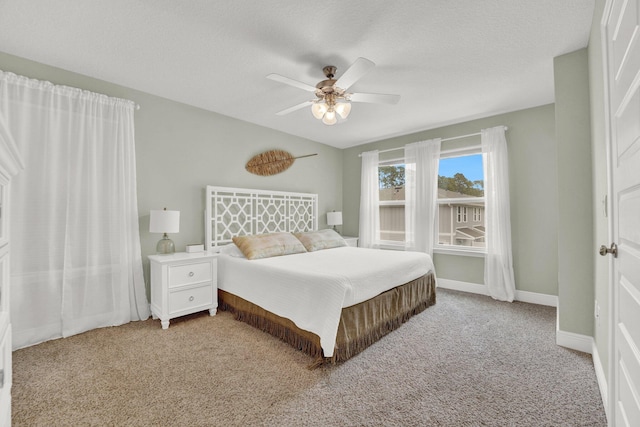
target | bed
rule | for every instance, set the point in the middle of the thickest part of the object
(327, 299)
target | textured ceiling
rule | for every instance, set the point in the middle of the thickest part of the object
(449, 60)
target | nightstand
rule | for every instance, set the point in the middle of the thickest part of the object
(351, 241)
(183, 283)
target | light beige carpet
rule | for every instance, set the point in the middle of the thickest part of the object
(467, 361)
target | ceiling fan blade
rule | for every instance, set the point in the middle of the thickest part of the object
(294, 108)
(374, 98)
(358, 69)
(291, 82)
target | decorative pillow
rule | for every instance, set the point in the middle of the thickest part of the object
(322, 239)
(258, 246)
(231, 250)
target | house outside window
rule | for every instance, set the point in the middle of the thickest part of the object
(460, 213)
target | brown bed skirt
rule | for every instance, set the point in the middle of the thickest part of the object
(360, 325)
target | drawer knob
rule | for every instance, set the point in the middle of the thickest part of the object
(191, 274)
(191, 298)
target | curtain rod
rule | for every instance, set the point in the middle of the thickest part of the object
(443, 139)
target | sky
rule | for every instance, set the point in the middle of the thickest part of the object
(470, 166)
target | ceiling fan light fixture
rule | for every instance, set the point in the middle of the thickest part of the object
(318, 109)
(343, 109)
(330, 118)
(333, 101)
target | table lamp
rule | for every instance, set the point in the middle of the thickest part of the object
(164, 221)
(334, 218)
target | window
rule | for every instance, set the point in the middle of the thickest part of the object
(391, 180)
(477, 217)
(461, 214)
(460, 202)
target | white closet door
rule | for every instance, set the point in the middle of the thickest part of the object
(622, 50)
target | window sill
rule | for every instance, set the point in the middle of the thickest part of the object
(444, 250)
(393, 246)
(479, 253)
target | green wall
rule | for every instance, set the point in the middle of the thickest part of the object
(533, 190)
(600, 190)
(575, 214)
(180, 149)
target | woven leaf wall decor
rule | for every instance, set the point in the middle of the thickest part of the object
(272, 162)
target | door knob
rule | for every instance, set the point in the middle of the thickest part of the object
(612, 250)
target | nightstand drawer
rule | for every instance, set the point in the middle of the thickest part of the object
(183, 283)
(185, 299)
(192, 273)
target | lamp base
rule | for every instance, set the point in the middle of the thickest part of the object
(165, 246)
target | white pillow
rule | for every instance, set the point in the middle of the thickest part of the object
(322, 239)
(232, 250)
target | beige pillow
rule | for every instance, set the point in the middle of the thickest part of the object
(321, 239)
(257, 246)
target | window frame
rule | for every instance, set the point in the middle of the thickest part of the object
(437, 247)
(457, 249)
(390, 244)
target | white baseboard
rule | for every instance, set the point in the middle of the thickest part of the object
(602, 379)
(477, 288)
(457, 285)
(574, 341)
(536, 298)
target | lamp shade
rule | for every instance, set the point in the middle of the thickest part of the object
(334, 218)
(164, 221)
(318, 109)
(330, 117)
(343, 109)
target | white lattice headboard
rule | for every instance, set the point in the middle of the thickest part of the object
(240, 211)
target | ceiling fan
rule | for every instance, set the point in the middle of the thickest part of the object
(332, 96)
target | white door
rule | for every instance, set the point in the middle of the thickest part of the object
(622, 56)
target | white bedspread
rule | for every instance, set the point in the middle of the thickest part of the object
(311, 288)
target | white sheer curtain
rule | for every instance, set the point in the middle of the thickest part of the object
(369, 201)
(421, 161)
(76, 262)
(498, 269)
